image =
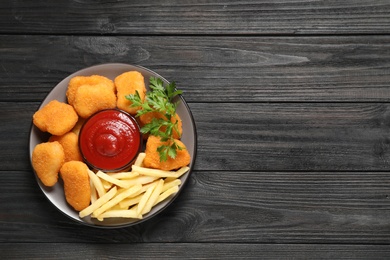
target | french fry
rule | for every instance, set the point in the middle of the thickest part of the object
(166, 194)
(160, 173)
(179, 173)
(123, 175)
(134, 200)
(168, 185)
(153, 197)
(138, 193)
(93, 191)
(119, 214)
(126, 203)
(153, 172)
(120, 183)
(145, 198)
(98, 203)
(116, 200)
(141, 180)
(140, 159)
(146, 186)
(182, 170)
(97, 183)
(120, 190)
(106, 185)
(115, 207)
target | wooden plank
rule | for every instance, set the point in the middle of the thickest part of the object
(15, 134)
(252, 136)
(293, 136)
(222, 207)
(192, 251)
(200, 17)
(210, 69)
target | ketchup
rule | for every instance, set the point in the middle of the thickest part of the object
(110, 140)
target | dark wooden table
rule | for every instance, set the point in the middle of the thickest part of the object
(291, 101)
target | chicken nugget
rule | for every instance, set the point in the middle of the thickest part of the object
(47, 159)
(90, 99)
(76, 129)
(70, 143)
(148, 117)
(78, 81)
(76, 184)
(56, 117)
(152, 156)
(128, 83)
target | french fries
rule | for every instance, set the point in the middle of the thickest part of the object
(160, 173)
(116, 199)
(108, 178)
(123, 175)
(130, 194)
(153, 198)
(119, 213)
(97, 183)
(98, 203)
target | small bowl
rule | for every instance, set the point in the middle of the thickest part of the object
(110, 140)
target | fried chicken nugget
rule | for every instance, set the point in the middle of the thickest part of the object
(90, 99)
(76, 184)
(47, 159)
(148, 117)
(70, 144)
(76, 129)
(152, 157)
(56, 117)
(128, 83)
(78, 81)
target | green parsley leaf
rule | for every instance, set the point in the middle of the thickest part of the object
(159, 99)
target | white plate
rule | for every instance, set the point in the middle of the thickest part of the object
(111, 70)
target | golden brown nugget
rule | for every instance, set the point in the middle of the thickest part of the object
(128, 83)
(76, 129)
(47, 159)
(56, 117)
(70, 144)
(152, 156)
(76, 184)
(148, 117)
(90, 99)
(78, 81)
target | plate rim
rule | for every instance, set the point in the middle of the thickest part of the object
(169, 202)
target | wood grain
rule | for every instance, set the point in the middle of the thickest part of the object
(222, 207)
(191, 251)
(256, 136)
(293, 136)
(210, 69)
(200, 17)
(291, 101)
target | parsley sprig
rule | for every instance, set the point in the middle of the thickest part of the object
(159, 99)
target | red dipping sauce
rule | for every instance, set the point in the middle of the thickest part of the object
(110, 140)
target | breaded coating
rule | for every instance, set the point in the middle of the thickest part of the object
(56, 117)
(128, 83)
(148, 117)
(70, 144)
(78, 81)
(152, 157)
(76, 129)
(47, 159)
(90, 99)
(76, 184)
